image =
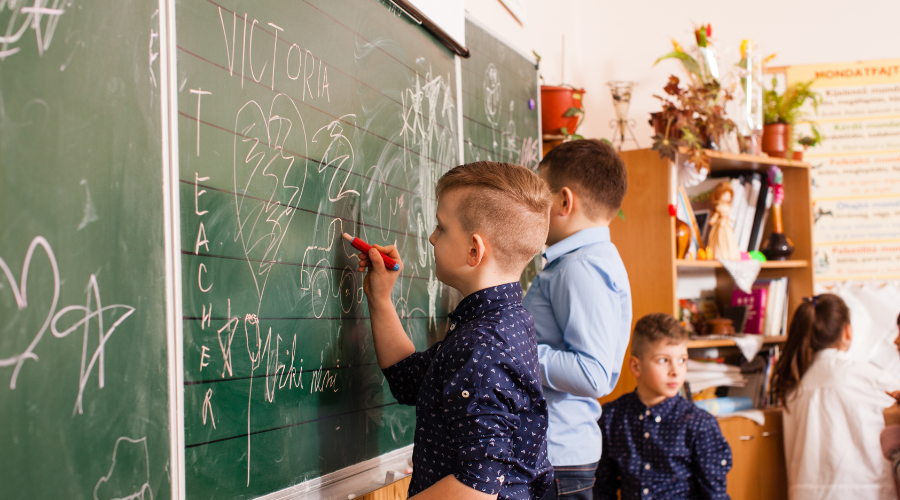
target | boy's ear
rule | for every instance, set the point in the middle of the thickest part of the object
(634, 364)
(476, 251)
(565, 202)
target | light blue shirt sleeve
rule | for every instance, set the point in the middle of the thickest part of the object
(587, 309)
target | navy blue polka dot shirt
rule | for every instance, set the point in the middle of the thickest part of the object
(480, 411)
(673, 450)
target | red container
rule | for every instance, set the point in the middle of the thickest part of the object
(555, 101)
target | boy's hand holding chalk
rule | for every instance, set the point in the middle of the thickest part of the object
(382, 263)
(364, 247)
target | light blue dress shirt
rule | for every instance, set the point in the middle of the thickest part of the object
(581, 303)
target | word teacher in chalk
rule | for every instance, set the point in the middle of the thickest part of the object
(481, 417)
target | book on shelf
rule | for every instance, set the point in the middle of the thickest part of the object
(725, 406)
(702, 375)
(767, 306)
(750, 205)
(684, 213)
(756, 303)
(754, 186)
(763, 205)
(758, 374)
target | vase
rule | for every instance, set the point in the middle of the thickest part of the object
(778, 246)
(775, 139)
(555, 101)
(682, 238)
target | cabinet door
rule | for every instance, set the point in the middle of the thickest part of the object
(773, 470)
(741, 435)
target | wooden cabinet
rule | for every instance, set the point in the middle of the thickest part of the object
(646, 242)
(759, 471)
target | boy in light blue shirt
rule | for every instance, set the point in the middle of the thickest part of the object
(581, 304)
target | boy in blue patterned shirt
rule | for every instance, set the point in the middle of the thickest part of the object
(481, 418)
(656, 444)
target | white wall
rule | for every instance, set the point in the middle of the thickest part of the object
(619, 40)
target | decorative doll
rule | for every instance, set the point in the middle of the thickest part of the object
(722, 244)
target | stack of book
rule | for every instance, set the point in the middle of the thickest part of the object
(702, 375)
(749, 209)
(767, 306)
(758, 374)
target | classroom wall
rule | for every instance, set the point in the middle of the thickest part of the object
(620, 40)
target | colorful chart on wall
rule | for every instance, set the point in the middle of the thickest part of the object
(856, 169)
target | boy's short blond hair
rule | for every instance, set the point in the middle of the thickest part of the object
(653, 328)
(506, 204)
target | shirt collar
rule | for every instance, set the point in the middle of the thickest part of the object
(482, 301)
(576, 241)
(661, 409)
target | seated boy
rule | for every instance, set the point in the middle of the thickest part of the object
(654, 441)
(481, 418)
(581, 303)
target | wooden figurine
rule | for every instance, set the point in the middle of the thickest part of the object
(722, 244)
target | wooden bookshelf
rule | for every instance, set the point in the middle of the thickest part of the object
(714, 264)
(700, 343)
(646, 242)
(646, 239)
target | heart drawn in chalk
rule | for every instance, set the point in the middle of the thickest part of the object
(270, 167)
(20, 293)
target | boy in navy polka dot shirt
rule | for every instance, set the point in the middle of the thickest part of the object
(481, 417)
(656, 444)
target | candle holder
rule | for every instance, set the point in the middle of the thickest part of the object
(621, 95)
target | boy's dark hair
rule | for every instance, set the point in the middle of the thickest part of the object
(898, 320)
(592, 169)
(655, 327)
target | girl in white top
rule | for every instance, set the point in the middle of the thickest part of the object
(833, 408)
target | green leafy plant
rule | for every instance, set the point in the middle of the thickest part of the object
(691, 118)
(787, 109)
(573, 111)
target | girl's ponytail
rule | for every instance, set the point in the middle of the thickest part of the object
(818, 324)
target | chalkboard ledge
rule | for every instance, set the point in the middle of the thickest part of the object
(357, 479)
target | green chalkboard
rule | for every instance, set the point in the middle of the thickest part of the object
(83, 373)
(501, 120)
(299, 121)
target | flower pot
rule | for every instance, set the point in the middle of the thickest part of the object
(658, 122)
(555, 101)
(775, 139)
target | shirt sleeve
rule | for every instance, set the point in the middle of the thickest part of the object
(405, 376)
(710, 459)
(481, 402)
(587, 309)
(607, 483)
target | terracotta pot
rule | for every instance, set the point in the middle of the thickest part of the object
(775, 139)
(555, 101)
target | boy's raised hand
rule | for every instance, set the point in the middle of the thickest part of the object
(379, 282)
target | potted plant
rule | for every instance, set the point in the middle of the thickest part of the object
(781, 112)
(692, 117)
(562, 110)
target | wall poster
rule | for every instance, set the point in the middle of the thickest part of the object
(856, 169)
